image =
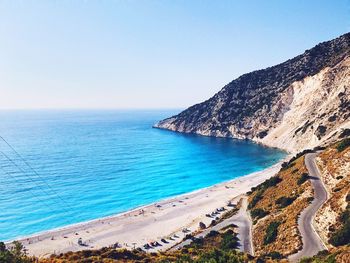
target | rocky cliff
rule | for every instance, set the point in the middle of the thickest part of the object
(301, 103)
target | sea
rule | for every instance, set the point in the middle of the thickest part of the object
(62, 167)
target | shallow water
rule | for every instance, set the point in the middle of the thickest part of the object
(90, 164)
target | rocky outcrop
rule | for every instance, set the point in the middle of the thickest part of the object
(301, 103)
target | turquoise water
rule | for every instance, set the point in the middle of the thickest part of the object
(89, 164)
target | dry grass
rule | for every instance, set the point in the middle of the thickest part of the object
(288, 239)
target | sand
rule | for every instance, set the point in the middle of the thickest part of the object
(149, 223)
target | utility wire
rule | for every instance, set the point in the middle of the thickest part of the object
(37, 197)
(42, 189)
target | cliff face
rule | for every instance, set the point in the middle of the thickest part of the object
(298, 104)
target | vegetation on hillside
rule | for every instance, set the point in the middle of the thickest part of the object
(285, 201)
(333, 219)
(303, 178)
(217, 247)
(271, 232)
(261, 188)
(341, 254)
(275, 206)
(341, 236)
(14, 254)
(258, 213)
(343, 145)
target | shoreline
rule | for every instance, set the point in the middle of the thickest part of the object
(132, 229)
(166, 199)
(155, 126)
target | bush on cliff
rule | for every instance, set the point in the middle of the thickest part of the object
(271, 232)
(14, 254)
(342, 235)
(258, 213)
(343, 145)
(229, 240)
(303, 178)
(284, 201)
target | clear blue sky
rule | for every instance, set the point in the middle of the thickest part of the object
(149, 54)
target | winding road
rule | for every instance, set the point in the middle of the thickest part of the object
(243, 222)
(312, 242)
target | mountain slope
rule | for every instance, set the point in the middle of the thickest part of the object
(282, 199)
(298, 104)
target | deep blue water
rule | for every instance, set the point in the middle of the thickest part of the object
(89, 164)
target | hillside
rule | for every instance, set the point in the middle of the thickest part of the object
(295, 105)
(334, 163)
(278, 203)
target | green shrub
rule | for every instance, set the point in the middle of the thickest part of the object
(15, 254)
(342, 236)
(257, 197)
(303, 178)
(212, 233)
(258, 213)
(219, 256)
(305, 260)
(343, 145)
(284, 201)
(322, 257)
(274, 255)
(287, 165)
(291, 163)
(229, 241)
(268, 183)
(271, 232)
(273, 181)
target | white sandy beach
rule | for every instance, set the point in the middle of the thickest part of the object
(149, 223)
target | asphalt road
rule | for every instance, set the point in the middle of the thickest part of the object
(241, 219)
(312, 243)
(244, 223)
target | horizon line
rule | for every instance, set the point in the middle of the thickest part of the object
(124, 108)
